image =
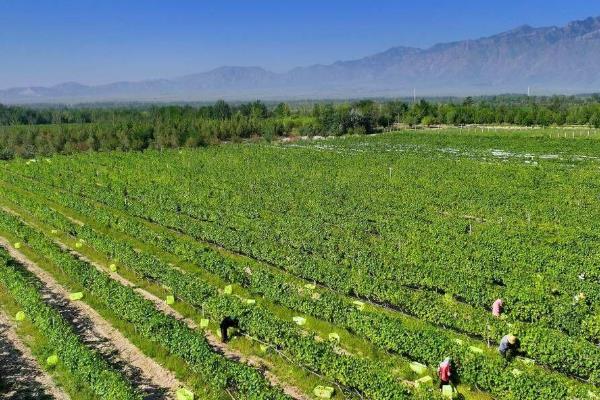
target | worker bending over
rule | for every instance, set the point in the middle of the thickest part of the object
(509, 346)
(497, 308)
(227, 323)
(445, 371)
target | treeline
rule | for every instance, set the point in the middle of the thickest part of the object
(28, 132)
(18, 115)
(546, 112)
(521, 110)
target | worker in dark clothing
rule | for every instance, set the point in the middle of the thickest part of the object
(227, 323)
(509, 346)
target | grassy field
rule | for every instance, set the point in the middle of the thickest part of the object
(345, 260)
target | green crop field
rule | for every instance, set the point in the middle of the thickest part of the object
(356, 263)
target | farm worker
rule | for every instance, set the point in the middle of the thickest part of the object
(445, 371)
(508, 346)
(497, 308)
(227, 323)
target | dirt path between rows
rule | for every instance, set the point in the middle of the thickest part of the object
(22, 375)
(151, 378)
(218, 346)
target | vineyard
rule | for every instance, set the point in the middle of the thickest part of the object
(352, 265)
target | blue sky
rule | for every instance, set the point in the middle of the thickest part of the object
(46, 42)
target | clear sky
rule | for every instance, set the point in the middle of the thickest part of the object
(45, 42)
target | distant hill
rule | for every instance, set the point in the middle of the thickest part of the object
(548, 59)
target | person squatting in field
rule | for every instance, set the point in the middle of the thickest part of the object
(497, 308)
(445, 371)
(227, 323)
(509, 346)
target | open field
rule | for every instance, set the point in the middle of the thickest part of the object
(345, 261)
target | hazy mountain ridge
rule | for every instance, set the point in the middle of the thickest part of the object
(549, 59)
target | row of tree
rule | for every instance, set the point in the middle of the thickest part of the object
(27, 132)
(18, 115)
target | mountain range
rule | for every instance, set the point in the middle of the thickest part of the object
(546, 59)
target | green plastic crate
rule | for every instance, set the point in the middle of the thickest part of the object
(324, 392)
(475, 349)
(299, 320)
(184, 394)
(425, 381)
(449, 392)
(170, 300)
(359, 305)
(76, 296)
(418, 368)
(52, 360)
(334, 337)
(20, 316)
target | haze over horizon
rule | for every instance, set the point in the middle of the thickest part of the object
(47, 43)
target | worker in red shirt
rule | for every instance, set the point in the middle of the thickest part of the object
(445, 372)
(497, 308)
